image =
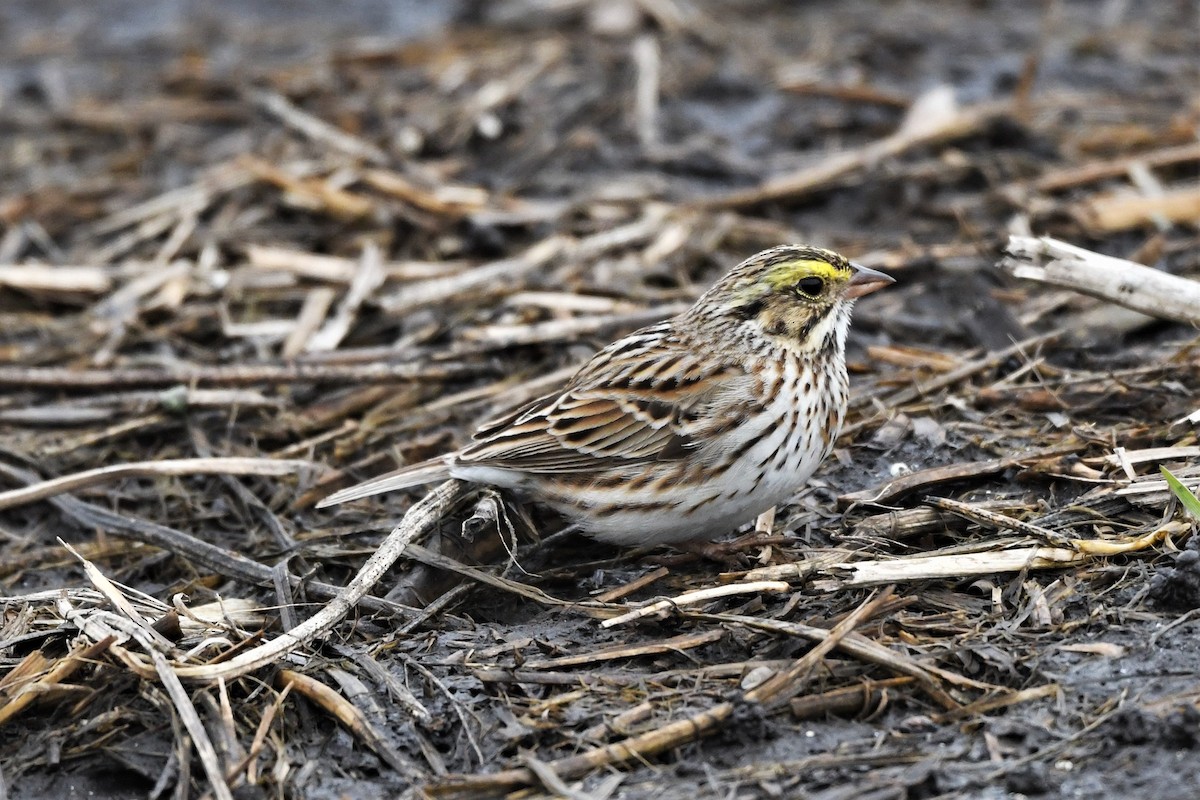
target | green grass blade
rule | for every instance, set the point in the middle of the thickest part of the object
(1189, 500)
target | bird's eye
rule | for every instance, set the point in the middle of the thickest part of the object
(811, 286)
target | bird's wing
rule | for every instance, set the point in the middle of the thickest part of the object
(644, 398)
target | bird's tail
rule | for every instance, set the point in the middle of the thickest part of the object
(417, 474)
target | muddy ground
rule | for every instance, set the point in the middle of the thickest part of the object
(598, 164)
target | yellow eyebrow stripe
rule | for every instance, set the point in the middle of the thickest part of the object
(789, 273)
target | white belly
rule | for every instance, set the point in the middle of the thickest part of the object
(715, 490)
(793, 441)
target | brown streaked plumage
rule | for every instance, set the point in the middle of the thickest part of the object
(685, 429)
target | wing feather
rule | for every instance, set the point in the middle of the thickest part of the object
(645, 398)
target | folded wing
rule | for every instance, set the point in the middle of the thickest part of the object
(642, 399)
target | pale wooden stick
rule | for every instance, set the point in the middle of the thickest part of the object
(1125, 283)
(647, 60)
(905, 570)
(367, 279)
(48, 278)
(963, 565)
(152, 469)
(312, 314)
(698, 596)
(317, 129)
(335, 269)
(502, 335)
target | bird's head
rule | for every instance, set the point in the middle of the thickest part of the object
(798, 295)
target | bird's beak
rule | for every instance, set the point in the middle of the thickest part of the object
(865, 281)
